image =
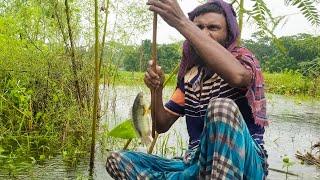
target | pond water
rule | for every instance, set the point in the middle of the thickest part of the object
(295, 127)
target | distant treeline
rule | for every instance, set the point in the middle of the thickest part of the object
(298, 53)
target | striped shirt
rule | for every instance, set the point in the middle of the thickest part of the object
(192, 96)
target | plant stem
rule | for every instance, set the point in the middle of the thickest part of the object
(241, 11)
(96, 88)
(73, 57)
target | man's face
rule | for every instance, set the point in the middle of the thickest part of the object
(214, 25)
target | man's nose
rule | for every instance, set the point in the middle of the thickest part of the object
(206, 31)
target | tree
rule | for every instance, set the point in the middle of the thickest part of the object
(169, 56)
(263, 17)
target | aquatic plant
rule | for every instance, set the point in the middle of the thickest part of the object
(287, 163)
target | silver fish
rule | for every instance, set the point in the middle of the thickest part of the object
(141, 118)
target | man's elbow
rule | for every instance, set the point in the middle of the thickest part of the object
(240, 80)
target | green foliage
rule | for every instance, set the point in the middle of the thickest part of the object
(299, 48)
(136, 58)
(262, 16)
(282, 83)
(169, 56)
(308, 10)
(136, 79)
(132, 62)
(261, 13)
(124, 130)
(311, 68)
(287, 163)
(40, 115)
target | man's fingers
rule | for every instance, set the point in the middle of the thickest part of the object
(150, 81)
(152, 74)
(159, 4)
(147, 76)
(159, 7)
(147, 81)
(159, 70)
(154, 78)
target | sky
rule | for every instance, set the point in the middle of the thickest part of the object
(293, 24)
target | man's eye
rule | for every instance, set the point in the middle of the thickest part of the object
(200, 26)
(213, 28)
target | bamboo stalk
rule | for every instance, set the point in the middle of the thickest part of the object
(175, 70)
(96, 86)
(73, 57)
(104, 32)
(153, 143)
(241, 11)
(154, 65)
(283, 172)
(61, 27)
(127, 144)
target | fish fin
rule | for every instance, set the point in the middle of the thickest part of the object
(146, 110)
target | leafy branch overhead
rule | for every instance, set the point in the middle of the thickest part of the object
(266, 22)
(261, 13)
(308, 9)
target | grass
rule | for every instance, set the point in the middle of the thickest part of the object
(291, 84)
(128, 78)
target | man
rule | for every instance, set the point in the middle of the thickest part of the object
(219, 91)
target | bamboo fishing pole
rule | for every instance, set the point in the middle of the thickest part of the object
(154, 91)
(154, 67)
(164, 85)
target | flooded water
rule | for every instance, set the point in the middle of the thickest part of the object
(295, 127)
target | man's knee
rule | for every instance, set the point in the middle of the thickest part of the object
(113, 156)
(224, 109)
(112, 164)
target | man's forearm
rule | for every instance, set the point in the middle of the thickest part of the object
(163, 118)
(214, 55)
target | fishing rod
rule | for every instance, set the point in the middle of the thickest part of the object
(153, 91)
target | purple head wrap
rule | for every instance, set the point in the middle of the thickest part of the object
(190, 58)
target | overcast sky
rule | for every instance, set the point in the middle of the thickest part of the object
(295, 23)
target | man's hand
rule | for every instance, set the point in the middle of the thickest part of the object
(154, 80)
(169, 10)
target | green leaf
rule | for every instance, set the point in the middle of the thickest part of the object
(308, 9)
(290, 164)
(285, 159)
(42, 157)
(124, 130)
(1, 150)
